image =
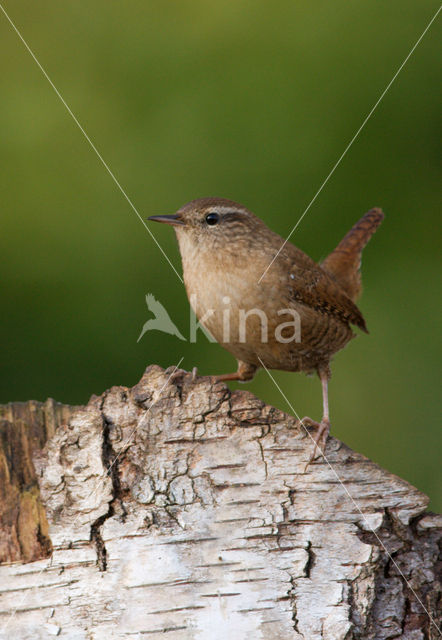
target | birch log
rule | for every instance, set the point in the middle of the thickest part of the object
(179, 509)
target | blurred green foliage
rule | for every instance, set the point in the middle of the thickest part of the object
(253, 101)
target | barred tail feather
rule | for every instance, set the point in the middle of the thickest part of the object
(343, 264)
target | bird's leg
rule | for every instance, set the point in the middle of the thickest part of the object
(323, 427)
(245, 372)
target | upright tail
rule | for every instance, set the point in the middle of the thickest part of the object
(343, 264)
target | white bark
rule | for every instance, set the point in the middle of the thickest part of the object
(181, 510)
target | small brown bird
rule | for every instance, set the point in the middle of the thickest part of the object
(293, 315)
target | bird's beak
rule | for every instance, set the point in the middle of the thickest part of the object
(174, 219)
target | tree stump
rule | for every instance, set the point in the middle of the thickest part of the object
(179, 509)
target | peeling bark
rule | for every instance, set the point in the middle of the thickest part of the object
(179, 507)
(24, 429)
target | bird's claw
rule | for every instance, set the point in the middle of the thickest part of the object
(179, 374)
(320, 439)
(176, 375)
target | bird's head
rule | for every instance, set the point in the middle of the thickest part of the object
(216, 224)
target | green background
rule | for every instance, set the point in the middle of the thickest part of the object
(254, 101)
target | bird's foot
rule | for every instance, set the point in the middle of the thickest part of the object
(224, 377)
(178, 374)
(320, 438)
(244, 373)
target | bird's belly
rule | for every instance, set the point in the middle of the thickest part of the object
(294, 339)
(288, 350)
(320, 338)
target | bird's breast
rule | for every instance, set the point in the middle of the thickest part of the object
(216, 296)
(219, 287)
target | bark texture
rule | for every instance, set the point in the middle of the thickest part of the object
(180, 509)
(24, 429)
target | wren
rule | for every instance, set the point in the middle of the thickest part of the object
(293, 315)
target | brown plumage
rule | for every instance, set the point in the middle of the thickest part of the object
(296, 316)
(344, 263)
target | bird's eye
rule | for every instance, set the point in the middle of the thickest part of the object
(212, 218)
